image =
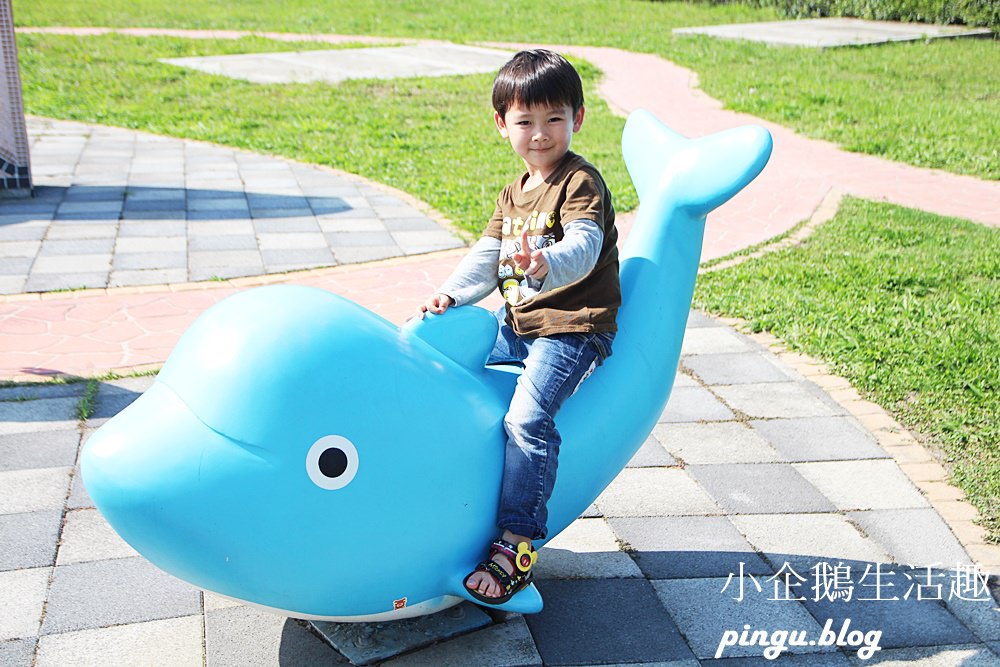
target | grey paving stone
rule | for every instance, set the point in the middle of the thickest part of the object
(33, 490)
(95, 206)
(415, 224)
(224, 259)
(691, 404)
(86, 537)
(863, 485)
(705, 609)
(16, 265)
(228, 215)
(286, 225)
(507, 644)
(975, 608)
(760, 488)
(917, 537)
(150, 244)
(587, 549)
(173, 642)
(713, 340)
(352, 224)
(242, 636)
(354, 239)
(651, 455)
(69, 264)
(304, 258)
(29, 539)
(22, 597)
(12, 284)
(163, 205)
(65, 232)
(654, 492)
(113, 396)
(725, 442)
(292, 241)
(231, 202)
(807, 541)
(358, 254)
(23, 231)
(223, 272)
(604, 621)
(266, 213)
(786, 660)
(202, 243)
(78, 496)
(147, 277)
(419, 242)
(902, 622)
(18, 653)
(268, 201)
(697, 319)
(154, 194)
(200, 227)
(132, 215)
(819, 439)
(155, 228)
(25, 392)
(938, 656)
(38, 449)
(115, 592)
(735, 368)
(49, 282)
(328, 205)
(687, 547)
(775, 400)
(149, 260)
(365, 643)
(76, 247)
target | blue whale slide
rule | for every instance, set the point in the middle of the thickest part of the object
(285, 457)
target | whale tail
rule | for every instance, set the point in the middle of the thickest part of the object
(695, 174)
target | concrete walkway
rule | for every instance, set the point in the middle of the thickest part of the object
(763, 467)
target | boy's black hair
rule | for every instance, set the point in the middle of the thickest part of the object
(538, 77)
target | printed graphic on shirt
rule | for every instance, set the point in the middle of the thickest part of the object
(513, 283)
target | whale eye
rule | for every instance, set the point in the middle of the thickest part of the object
(332, 462)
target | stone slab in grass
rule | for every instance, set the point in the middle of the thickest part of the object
(831, 32)
(333, 66)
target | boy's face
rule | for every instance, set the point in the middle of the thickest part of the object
(540, 135)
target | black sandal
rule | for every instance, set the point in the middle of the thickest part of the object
(522, 557)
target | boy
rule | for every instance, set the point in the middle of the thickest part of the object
(550, 248)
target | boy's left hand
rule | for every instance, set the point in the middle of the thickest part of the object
(532, 262)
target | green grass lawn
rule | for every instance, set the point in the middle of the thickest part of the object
(934, 104)
(905, 305)
(432, 137)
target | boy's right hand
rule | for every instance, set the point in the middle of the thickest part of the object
(437, 304)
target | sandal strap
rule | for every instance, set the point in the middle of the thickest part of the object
(505, 548)
(494, 569)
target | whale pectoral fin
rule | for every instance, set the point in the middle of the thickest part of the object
(525, 601)
(465, 334)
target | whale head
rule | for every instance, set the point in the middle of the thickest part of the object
(252, 465)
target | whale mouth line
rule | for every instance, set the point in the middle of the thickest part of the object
(257, 451)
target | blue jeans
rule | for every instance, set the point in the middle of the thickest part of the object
(554, 367)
